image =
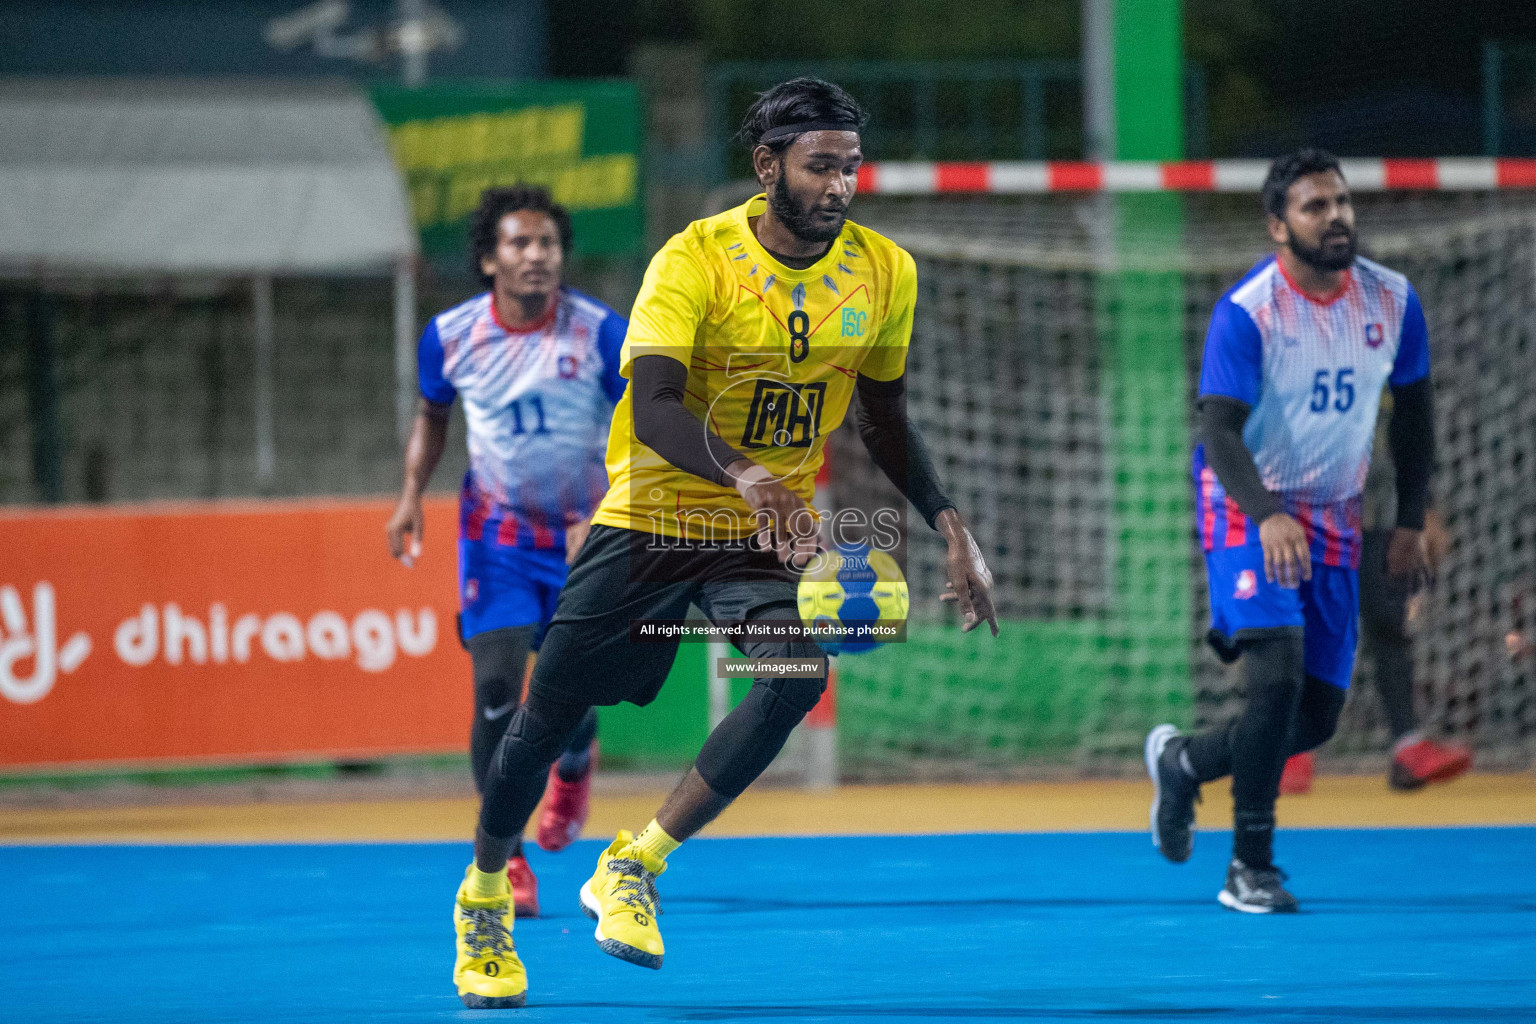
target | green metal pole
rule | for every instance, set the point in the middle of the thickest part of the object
(1142, 307)
(1149, 79)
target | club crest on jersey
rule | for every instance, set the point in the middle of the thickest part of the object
(784, 415)
(1374, 335)
(567, 366)
(1247, 585)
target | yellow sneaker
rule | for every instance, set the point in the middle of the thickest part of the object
(487, 971)
(621, 897)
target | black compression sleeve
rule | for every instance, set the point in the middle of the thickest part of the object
(1221, 428)
(896, 446)
(665, 426)
(1412, 437)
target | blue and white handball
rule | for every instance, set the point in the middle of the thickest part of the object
(853, 587)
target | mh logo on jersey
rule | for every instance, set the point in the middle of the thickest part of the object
(784, 415)
(1375, 335)
(1247, 585)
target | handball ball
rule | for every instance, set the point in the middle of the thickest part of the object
(852, 587)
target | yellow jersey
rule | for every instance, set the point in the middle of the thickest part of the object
(772, 356)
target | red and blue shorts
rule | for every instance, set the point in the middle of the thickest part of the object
(502, 586)
(1326, 608)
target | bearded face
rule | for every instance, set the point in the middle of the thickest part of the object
(808, 213)
(1319, 222)
(1334, 250)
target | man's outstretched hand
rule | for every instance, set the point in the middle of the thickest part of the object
(970, 581)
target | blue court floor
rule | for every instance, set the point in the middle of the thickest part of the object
(1420, 925)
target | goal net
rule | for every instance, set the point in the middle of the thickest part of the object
(1053, 372)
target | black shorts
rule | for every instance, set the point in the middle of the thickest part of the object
(623, 576)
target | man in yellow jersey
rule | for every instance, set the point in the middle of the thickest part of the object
(752, 334)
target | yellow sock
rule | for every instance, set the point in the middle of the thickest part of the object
(485, 884)
(655, 841)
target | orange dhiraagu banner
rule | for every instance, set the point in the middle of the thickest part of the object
(252, 631)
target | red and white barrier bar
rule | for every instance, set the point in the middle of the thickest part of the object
(1467, 174)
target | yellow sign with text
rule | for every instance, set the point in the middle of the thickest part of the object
(579, 140)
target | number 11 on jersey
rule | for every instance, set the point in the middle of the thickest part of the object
(537, 405)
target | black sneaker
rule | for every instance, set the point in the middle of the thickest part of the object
(1256, 890)
(1174, 795)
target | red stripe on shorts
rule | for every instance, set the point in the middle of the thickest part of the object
(1306, 515)
(474, 522)
(1207, 509)
(1237, 525)
(1333, 548)
(506, 533)
(1356, 528)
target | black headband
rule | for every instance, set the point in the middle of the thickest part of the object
(801, 127)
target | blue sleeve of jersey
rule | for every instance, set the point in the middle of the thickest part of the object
(429, 367)
(1413, 346)
(610, 340)
(1233, 364)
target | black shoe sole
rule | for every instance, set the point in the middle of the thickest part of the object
(475, 1002)
(629, 954)
(615, 948)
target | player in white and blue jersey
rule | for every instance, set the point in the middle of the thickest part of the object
(536, 366)
(1296, 358)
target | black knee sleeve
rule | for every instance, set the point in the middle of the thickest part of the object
(1275, 672)
(539, 730)
(751, 736)
(499, 658)
(1317, 715)
(1209, 754)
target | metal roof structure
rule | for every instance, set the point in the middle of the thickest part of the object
(196, 177)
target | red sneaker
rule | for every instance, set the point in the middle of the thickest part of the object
(525, 887)
(1424, 761)
(565, 807)
(1297, 777)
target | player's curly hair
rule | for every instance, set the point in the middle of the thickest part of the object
(1284, 172)
(496, 203)
(794, 101)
